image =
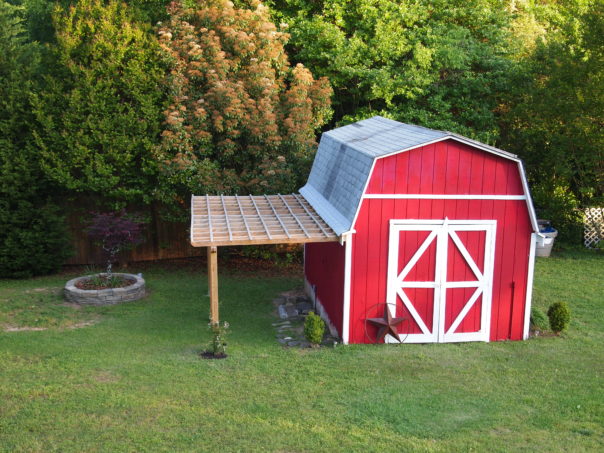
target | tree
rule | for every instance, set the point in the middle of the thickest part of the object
(33, 237)
(241, 118)
(99, 116)
(555, 120)
(440, 63)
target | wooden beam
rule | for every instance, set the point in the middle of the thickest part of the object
(293, 215)
(268, 233)
(268, 200)
(317, 221)
(213, 283)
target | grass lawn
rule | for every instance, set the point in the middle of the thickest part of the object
(133, 381)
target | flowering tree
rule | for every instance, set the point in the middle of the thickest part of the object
(241, 118)
(115, 232)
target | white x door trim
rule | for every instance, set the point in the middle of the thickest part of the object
(440, 231)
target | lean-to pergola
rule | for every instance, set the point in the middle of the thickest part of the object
(251, 220)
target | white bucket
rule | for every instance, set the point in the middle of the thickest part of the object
(545, 242)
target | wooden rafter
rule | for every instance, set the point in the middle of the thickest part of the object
(247, 227)
(277, 217)
(297, 197)
(293, 215)
(266, 219)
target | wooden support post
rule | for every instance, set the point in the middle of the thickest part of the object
(213, 283)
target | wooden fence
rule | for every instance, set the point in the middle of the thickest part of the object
(163, 240)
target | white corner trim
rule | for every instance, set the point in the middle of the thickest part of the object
(529, 200)
(529, 286)
(418, 196)
(191, 225)
(347, 283)
(356, 214)
(319, 308)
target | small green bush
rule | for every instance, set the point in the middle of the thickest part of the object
(314, 328)
(559, 316)
(538, 319)
(217, 346)
(33, 239)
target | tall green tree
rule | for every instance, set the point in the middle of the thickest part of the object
(33, 237)
(555, 120)
(99, 116)
(439, 63)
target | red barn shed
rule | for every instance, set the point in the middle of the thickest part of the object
(435, 228)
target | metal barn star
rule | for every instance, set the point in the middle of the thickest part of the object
(387, 325)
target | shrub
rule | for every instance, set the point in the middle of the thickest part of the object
(538, 319)
(559, 316)
(33, 239)
(115, 231)
(217, 346)
(558, 204)
(99, 114)
(314, 328)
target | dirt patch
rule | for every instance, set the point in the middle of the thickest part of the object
(51, 290)
(102, 282)
(210, 355)
(105, 377)
(79, 325)
(543, 333)
(22, 329)
(82, 324)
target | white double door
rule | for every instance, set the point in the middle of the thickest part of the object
(440, 277)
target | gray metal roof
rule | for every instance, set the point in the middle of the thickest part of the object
(345, 156)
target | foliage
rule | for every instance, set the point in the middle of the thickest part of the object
(33, 238)
(314, 328)
(538, 319)
(555, 118)
(241, 119)
(32, 231)
(217, 346)
(40, 27)
(104, 281)
(276, 254)
(559, 316)
(561, 207)
(99, 115)
(440, 64)
(115, 231)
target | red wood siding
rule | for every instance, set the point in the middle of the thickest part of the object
(324, 267)
(446, 167)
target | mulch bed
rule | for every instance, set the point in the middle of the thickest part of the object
(98, 283)
(210, 355)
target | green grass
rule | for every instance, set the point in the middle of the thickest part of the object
(133, 381)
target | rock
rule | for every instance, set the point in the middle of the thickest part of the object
(282, 312)
(290, 311)
(304, 307)
(278, 300)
